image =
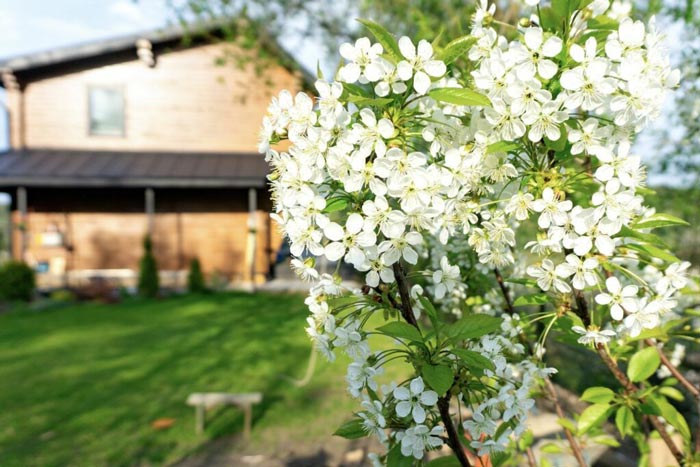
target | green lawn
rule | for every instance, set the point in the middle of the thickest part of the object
(81, 385)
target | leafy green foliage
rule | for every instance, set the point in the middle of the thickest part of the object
(17, 281)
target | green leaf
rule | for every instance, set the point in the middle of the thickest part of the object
(645, 237)
(396, 459)
(672, 393)
(384, 37)
(549, 19)
(335, 204)
(526, 282)
(551, 448)
(446, 461)
(654, 252)
(671, 414)
(473, 326)
(658, 220)
(474, 360)
(459, 96)
(401, 330)
(531, 299)
(598, 395)
(369, 101)
(431, 312)
(624, 420)
(564, 8)
(603, 22)
(560, 144)
(567, 423)
(456, 48)
(594, 415)
(643, 364)
(438, 377)
(606, 441)
(355, 90)
(351, 429)
(501, 146)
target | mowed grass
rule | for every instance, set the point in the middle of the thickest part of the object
(82, 385)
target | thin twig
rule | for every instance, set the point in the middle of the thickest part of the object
(675, 371)
(443, 403)
(531, 461)
(690, 387)
(631, 388)
(575, 448)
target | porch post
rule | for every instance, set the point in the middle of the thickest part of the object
(22, 208)
(150, 198)
(252, 233)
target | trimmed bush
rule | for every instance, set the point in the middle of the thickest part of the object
(195, 278)
(17, 281)
(149, 284)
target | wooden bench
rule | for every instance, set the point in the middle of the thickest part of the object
(203, 401)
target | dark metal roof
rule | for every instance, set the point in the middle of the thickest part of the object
(79, 168)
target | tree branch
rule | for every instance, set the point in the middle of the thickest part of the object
(443, 403)
(631, 388)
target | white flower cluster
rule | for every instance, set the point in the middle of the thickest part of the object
(513, 382)
(395, 164)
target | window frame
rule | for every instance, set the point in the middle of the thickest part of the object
(114, 87)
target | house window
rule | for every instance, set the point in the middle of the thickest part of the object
(106, 107)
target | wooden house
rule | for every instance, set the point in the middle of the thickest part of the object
(147, 134)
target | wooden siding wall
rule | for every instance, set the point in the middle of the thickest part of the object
(185, 103)
(114, 241)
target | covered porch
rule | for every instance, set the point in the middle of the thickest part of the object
(81, 215)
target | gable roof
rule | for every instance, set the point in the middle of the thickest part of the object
(82, 168)
(124, 48)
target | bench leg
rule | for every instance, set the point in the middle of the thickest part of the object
(199, 419)
(247, 420)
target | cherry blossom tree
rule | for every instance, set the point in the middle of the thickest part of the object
(419, 162)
